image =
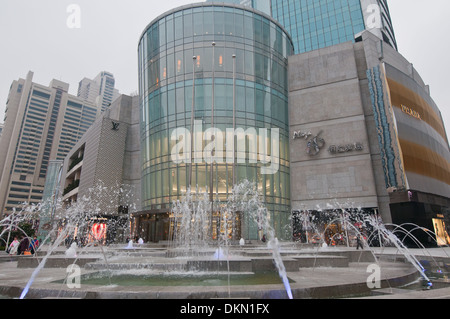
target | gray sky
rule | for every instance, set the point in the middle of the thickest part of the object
(34, 36)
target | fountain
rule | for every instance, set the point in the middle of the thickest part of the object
(76, 216)
(194, 257)
(193, 229)
(245, 198)
(130, 245)
(72, 251)
(219, 254)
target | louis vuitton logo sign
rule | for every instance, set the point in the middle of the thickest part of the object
(115, 125)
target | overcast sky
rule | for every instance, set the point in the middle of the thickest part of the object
(34, 36)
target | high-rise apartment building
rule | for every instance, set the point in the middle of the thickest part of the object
(42, 123)
(315, 24)
(99, 91)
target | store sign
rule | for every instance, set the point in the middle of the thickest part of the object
(300, 134)
(411, 112)
(339, 149)
(314, 145)
(99, 231)
(115, 125)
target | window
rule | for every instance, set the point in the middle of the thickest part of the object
(41, 94)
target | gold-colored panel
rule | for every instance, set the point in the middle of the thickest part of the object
(423, 161)
(401, 95)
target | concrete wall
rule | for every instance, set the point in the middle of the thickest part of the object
(325, 97)
(112, 156)
(349, 93)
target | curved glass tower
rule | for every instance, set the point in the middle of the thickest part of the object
(214, 99)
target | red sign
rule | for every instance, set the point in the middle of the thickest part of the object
(99, 231)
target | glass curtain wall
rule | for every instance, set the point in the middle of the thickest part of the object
(315, 24)
(240, 82)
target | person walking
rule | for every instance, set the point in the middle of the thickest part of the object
(23, 246)
(359, 242)
(13, 247)
(34, 245)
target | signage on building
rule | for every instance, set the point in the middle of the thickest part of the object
(338, 149)
(411, 112)
(300, 134)
(316, 143)
(115, 125)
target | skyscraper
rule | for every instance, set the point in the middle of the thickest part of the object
(99, 91)
(42, 123)
(315, 24)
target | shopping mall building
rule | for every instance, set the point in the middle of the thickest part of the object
(226, 95)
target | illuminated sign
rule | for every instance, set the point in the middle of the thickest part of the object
(411, 112)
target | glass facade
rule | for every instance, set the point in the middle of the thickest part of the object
(229, 65)
(315, 24)
(387, 27)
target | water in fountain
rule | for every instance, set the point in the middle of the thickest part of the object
(379, 233)
(192, 222)
(389, 237)
(130, 245)
(78, 215)
(72, 251)
(219, 254)
(404, 251)
(193, 231)
(400, 230)
(15, 220)
(245, 198)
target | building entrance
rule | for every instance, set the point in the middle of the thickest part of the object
(152, 227)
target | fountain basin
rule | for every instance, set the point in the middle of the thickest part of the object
(54, 262)
(234, 265)
(322, 261)
(180, 279)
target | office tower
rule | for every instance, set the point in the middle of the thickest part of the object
(99, 91)
(42, 123)
(315, 24)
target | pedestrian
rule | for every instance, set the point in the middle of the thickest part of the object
(12, 250)
(34, 245)
(23, 246)
(359, 242)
